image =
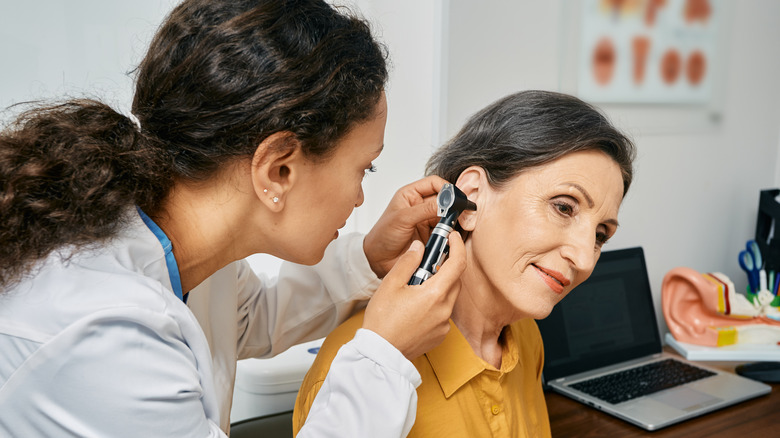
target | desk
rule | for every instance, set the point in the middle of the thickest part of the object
(756, 417)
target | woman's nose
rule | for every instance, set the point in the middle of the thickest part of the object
(580, 250)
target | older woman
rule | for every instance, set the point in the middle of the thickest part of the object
(548, 173)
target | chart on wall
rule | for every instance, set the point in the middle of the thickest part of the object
(648, 51)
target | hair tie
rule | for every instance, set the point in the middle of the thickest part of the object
(135, 120)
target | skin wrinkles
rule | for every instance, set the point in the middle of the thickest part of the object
(547, 216)
(584, 193)
(610, 223)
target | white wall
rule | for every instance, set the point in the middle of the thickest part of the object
(52, 48)
(411, 31)
(695, 195)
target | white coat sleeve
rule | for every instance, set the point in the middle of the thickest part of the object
(370, 391)
(304, 302)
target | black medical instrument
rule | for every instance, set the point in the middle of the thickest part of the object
(452, 202)
(767, 229)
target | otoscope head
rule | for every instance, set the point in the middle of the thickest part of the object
(452, 200)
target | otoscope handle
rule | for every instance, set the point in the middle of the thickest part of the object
(435, 251)
(451, 202)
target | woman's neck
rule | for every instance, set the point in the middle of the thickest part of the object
(480, 317)
(207, 226)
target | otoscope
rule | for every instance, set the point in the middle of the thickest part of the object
(452, 202)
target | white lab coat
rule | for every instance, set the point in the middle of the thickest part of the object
(99, 345)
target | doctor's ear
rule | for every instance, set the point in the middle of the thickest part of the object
(472, 182)
(275, 167)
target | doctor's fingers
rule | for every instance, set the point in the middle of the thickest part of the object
(406, 214)
(447, 276)
(446, 282)
(403, 269)
(413, 193)
(432, 303)
(396, 307)
(411, 214)
(394, 231)
(420, 218)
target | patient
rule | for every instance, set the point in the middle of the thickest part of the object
(548, 174)
(705, 309)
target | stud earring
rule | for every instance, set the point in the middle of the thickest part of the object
(275, 198)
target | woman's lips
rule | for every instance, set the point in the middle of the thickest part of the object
(554, 279)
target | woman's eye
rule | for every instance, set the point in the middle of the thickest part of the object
(564, 208)
(371, 169)
(601, 238)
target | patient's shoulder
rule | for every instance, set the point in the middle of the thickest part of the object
(333, 342)
(319, 370)
(345, 332)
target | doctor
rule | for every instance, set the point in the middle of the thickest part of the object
(124, 298)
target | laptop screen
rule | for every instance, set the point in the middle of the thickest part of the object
(607, 319)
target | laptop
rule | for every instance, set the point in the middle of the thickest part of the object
(602, 347)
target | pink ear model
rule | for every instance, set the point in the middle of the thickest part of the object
(705, 309)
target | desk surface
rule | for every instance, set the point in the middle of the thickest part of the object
(756, 417)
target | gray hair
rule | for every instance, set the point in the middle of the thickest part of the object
(529, 129)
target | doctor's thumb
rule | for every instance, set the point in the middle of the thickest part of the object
(407, 263)
(452, 268)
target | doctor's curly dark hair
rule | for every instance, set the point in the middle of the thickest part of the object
(219, 77)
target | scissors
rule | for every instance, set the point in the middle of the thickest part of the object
(751, 262)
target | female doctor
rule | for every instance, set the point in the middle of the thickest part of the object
(124, 300)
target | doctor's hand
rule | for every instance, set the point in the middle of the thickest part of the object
(415, 319)
(410, 216)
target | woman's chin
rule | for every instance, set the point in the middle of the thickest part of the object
(312, 259)
(539, 312)
(308, 258)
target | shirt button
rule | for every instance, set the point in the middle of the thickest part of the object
(496, 409)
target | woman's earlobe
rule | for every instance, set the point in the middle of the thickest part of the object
(267, 189)
(470, 182)
(468, 220)
(272, 173)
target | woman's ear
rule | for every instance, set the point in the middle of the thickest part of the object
(274, 168)
(473, 183)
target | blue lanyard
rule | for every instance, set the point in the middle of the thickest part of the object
(170, 260)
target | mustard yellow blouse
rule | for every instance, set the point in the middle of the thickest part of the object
(461, 395)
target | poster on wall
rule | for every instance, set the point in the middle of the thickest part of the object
(648, 51)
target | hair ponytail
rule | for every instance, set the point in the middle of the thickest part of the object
(68, 174)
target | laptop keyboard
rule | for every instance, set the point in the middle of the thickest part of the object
(636, 382)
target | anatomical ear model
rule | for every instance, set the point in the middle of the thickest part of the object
(705, 309)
